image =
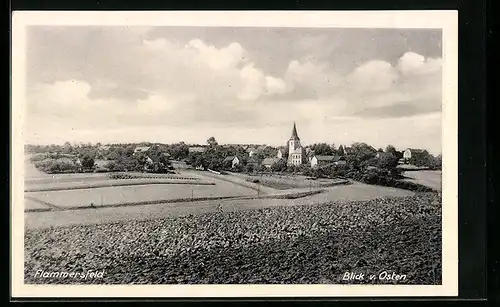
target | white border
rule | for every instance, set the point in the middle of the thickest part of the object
(446, 20)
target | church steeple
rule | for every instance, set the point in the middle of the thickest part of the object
(294, 132)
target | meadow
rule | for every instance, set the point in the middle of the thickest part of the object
(137, 194)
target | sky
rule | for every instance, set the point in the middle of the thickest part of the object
(113, 84)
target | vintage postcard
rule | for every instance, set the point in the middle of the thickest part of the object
(234, 154)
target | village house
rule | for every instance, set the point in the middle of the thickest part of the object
(310, 154)
(280, 153)
(196, 149)
(141, 149)
(233, 159)
(407, 154)
(325, 160)
(252, 151)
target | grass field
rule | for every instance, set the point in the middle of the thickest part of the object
(281, 182)
(432, 179)
(139, 193)
(354, 192)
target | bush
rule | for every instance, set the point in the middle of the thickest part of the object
(383, 178)
(56, 166)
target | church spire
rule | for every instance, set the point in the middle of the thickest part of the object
(294, 132)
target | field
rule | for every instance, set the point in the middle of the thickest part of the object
(432, 179)
(136, 194)
(298, 244)
(285, 182)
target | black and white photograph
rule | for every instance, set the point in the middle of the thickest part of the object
(311, 152)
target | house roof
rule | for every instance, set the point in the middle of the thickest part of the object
(329, 158)
(294, 132)
(253, 159)
(249, 149)
(142, 148)
(196, 149)
(325, 158)
(229, 158)
(154, 158)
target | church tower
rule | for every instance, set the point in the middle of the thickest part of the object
(295, 151)
(294, 141)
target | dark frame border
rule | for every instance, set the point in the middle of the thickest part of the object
(473, 148)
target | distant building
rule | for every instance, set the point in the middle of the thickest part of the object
(104, 147)
(296, 153)
(268, 162)
(196, 149)
(141, 149)
(233, 159)
(252, 151)
(325, 160)
(279, 155)
(310, 154)
(407, 154)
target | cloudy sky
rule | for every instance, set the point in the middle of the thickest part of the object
(240, 85)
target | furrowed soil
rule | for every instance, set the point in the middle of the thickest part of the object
(302, 244)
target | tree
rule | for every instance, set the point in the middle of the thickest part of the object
(391, 150)
(387, 162)
(178, 151)
(322, 149)
(67, 149)
(420, 158)
(279, 166)
(436, 162)
(341, 151)
(212, 142)
(363, 151)
(87, 162)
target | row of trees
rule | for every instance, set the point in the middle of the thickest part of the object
(121, 156)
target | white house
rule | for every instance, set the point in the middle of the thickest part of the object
(280, 154)
(323, 160)
(310, 154)
(407, 154)
(233, 159)
(139, 149)
(252, 151)
(268, 162)
(196, 149)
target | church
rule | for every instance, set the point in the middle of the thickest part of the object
(296, 153)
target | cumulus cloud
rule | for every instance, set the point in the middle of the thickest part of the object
(413, 63)
(373, 76)
(159, 82)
